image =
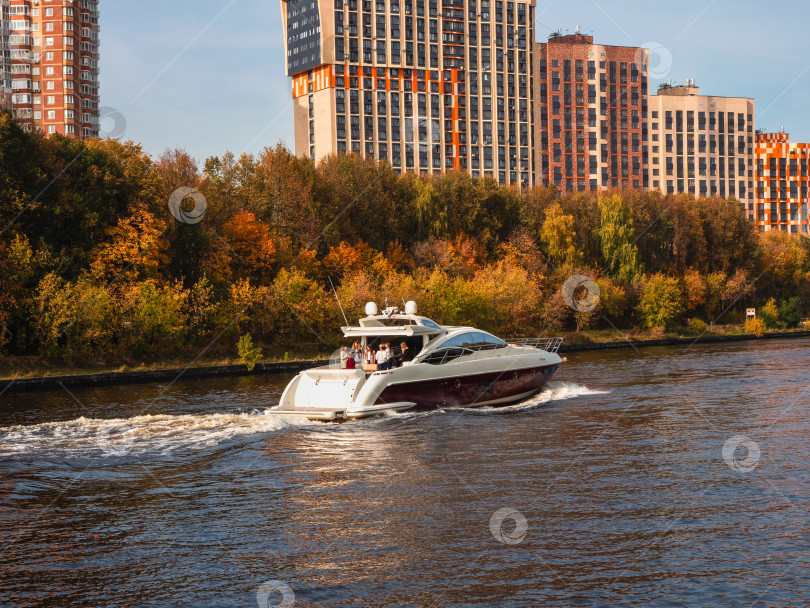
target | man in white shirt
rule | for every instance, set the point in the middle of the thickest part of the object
(382, 357)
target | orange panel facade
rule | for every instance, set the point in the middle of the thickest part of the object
(782, 183)
(427, 85)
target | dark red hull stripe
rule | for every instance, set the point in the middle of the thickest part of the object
(468, 390)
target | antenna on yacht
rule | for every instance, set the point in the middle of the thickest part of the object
(338, 301)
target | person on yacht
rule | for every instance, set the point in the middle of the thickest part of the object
(406, 355)
(381, 357)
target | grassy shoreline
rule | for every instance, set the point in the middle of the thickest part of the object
(16, 368)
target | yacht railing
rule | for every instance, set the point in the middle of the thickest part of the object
(550, 345)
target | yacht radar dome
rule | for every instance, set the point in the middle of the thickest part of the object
(371, 309)
(410, 307)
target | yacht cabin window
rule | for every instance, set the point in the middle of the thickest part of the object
(474, 340)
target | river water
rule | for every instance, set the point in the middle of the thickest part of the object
(620, 485)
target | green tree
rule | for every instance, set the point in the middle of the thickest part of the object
(619, 252)
(356, 197)
(789, 312)
(152, 316)
(662, 302)
(612, 299)
(249, 354)
(714, 292)
(689, 247)
(731, 236)
(651, 214)
(73, 318)
(533, 207)
(428, 211)
(769, 313)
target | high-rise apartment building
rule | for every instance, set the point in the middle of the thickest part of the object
(590, 114)
(782, 169)
(5, 55)
(53, 60)
(702, 144)
(428, 85)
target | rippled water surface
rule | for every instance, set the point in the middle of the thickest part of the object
(610, 488)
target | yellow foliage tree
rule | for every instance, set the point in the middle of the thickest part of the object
(559, 237)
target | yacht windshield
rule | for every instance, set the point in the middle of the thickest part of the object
(474, 340)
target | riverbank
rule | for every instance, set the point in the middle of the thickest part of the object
(582, 341)
(169, 376)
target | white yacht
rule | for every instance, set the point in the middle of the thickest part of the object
(440, 367)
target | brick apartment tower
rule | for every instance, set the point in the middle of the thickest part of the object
(52, 57)
(782, 196)
(428, 85)
(590, 114)
(5, 55)
(702, 144)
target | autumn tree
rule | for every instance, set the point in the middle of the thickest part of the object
(152, 315)
(176, 168)
(23, 171)
(429, 212)
(357, 198)
(252, 247)
(73, 318)
(134, 247)
(662, 302)
(559, 238)
(283, 195)
(619, 251)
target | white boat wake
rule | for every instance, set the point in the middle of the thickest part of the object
(163, 434)
(154, 434)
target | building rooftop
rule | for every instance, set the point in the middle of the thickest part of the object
(678, 90)
(558, 38)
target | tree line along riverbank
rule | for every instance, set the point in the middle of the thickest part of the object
(109, 257)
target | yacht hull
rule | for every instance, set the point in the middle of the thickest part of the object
(470, 390)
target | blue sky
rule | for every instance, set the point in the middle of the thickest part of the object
(208, 76)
